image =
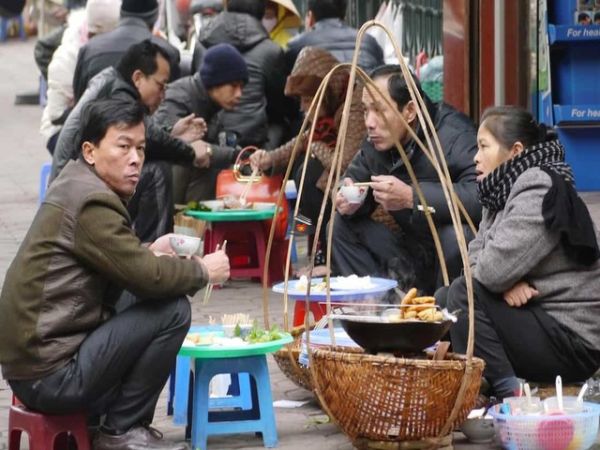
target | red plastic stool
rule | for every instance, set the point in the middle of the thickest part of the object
(317, 309)
(46, 432)
(246, 248)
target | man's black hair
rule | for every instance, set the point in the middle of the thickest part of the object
(256, 8)
(99, 115)
(328, 9)
(397, 86)
(141, 56)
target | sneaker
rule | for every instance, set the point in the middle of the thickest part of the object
(137, 438)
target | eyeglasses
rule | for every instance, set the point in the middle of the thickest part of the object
(161, 85)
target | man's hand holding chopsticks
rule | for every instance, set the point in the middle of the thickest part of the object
(217, 264)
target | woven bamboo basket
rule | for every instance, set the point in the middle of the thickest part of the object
(287, 360)
(383, 398)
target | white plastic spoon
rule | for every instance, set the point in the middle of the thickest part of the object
(528, 395)
(582, 392)
(559, 393)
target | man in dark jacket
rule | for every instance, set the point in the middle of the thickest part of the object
(217, 86)
(142, 75)
(64, 348)
(326, 29)
(263, 103)
(364, 247)
(137, 19)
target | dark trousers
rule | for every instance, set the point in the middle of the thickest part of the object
(363, 247)
(525, 342)
(151, 207)
(312, 196)
(120, 368)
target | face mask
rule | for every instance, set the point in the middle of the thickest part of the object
(269, 24)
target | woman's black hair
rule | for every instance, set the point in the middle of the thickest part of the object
(99, 115)
(510, 124)
(256, 8)
(397, 87)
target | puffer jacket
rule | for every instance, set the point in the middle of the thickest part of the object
(262, 99)
(78, 255)
(312, 66)
(338, 39)
(109, 83)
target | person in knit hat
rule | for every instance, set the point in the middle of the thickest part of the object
(147, 10)
(216, 86)
(223, 64)
(135, 25)
(260, 116)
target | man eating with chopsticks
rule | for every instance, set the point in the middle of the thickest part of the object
(67, 344)
(403, 249)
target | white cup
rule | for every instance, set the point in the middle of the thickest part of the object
(354, 194)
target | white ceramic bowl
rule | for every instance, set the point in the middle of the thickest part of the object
(354, 194)
(214, 205)
(478, 430)
(185, 245)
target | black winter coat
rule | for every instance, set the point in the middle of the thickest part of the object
(184, 97)
(458, 138)
(262, 101)
(338, 39)
(109, 84)
(105, 50)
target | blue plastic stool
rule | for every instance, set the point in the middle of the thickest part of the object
(180, 392)
(44, 176)
(259, 419)
(4, 24)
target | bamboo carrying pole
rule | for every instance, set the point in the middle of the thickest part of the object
(433, 152)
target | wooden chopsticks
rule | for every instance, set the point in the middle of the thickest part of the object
(209, 286)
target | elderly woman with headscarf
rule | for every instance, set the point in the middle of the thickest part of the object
(310, 68)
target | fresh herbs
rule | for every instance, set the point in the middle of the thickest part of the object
(258, 334)
(195, 206)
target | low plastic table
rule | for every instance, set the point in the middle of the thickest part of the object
(378, 287)
(249, 359)
(233, 221)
